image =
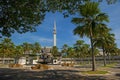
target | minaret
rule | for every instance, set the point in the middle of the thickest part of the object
(54, 34)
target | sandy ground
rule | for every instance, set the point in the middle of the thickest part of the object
(57, 72)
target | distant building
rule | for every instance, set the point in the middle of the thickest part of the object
(45, 56)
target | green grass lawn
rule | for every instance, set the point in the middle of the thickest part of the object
(95, 72)
(110, 65)
(3, 65)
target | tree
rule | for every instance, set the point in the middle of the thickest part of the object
(55, 52)
(85, 50)
(110, 48)
(91, 17)
(71, 53)
(78, 48)
(81, 49)
(69, 7)
(100, 40)
(23, 16)
(36, 48)
(104, 41)
(64, 50)
(18, 53)
(27, 48)
(7, 48)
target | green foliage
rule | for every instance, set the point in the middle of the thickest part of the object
(36, 48)
(89, 9)
(89, 23)
(24, 15)
(110, 65)
(20, 15)
(81, 49)
(55, 52)
(27, 47)
(18, 51)
(96, 52)
(7, 48)
(64, 48)
(95, 72)
(71, 52)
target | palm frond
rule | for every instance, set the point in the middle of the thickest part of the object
(82, 30)
(89, 9)
(78, 20)
(102, 17)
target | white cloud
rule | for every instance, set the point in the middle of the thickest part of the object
(42, 39)
(31, 38)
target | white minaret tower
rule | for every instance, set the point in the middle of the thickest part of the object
(54, 34)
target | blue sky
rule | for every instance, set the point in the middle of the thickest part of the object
(44, 34)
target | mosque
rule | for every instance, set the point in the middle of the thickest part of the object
(46, 55)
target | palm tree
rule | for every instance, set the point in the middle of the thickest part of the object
(110, 46)
(27, 50)
(100, 40)
(7, 48)
(64, 49)
(71, 53)
(85, 50)
(27, 47)
(55, 51)
(81, 49)
(78, 48)
(90, 18)
(104, 41)
(18, 52)
(36, 47)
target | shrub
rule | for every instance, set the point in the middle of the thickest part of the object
(15, 65)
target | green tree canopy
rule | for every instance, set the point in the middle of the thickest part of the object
(27, 47)
(90, 20)
(7, 47)
(36, 48)
(55, 52)
(18, 51)
(81, 49)
(20, 15)
(24, 15)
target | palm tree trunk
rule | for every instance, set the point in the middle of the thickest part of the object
(108, 58)
(92, 48)
(3, 59)
(104, 57)
(93, 56)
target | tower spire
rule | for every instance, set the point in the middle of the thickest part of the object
(54, 34)
(55, 25)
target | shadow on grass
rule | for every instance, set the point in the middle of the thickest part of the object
(20, 74)
(118, 74)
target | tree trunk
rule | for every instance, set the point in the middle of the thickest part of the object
(93, 56)
(92, 48)
(104, 57)
(3, 59)
(109, 58)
